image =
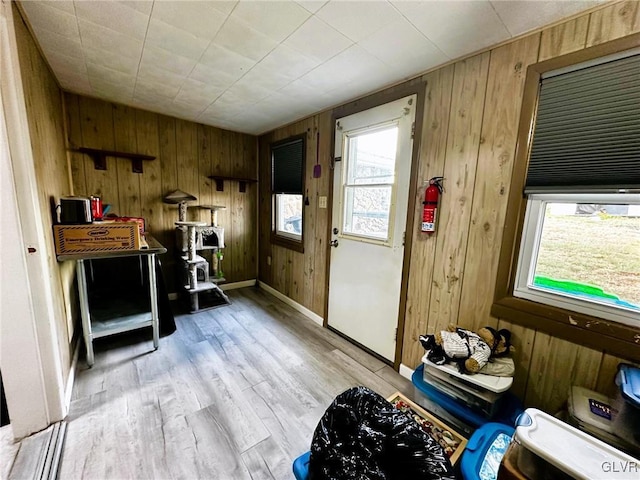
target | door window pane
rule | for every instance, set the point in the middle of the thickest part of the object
(372, 157)
(367, 211)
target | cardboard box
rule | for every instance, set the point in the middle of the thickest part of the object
(96, 237)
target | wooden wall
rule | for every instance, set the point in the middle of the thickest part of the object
(300, 276)
(469, 136)
(186, 154)
(44, 113)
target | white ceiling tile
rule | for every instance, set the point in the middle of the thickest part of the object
(99, 73)
(115, 16)
(201, 19)
(288, 62)
(275, 19)
(352, 64)
(158, 57)
(400, 43)
(153, 74)
(175, 40)
(247, 93)
(101, 38)
(62, 61)
(111, 59)
(522, 16)
(42, 16)
(52, 43)
(231, 63)
(203, 89)
(225, 107)
(477, 25)
(211, 76)
(301, 91)
(224, 6)
(143, 6)
(151, 89)
(240, 38)
(318, 40)
(238, 77)
(312, 5)
(358, 20)
(188, 97)
(261, 77)
(64, 5)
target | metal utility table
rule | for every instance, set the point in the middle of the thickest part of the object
(117, 324)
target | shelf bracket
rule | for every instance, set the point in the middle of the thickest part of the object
(99, 157)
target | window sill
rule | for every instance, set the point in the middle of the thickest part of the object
(295, 245)
(594, 332)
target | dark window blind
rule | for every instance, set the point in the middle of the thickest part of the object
(587, 132)
(287, 166)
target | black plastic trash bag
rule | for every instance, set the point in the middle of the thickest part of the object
(362, 436)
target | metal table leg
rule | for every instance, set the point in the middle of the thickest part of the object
(153, 295)
(84, 310)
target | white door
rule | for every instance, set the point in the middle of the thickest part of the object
(370, 198)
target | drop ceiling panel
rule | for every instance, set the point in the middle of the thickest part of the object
(318, 40)
(357, 20)
(115, 16)
(523, 16)
(256, 65)
(201, 19)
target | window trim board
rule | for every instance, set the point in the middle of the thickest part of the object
(591, 331)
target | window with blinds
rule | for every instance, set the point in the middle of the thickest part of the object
(287, 187)
(580, 247)
(587, 129)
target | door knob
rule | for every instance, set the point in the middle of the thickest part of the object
(333, 243)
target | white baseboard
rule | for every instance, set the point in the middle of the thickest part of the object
(68, 391)
(234, 285)
(405, 371)
(295, 305)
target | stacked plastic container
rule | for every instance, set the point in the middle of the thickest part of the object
(545, 447)
(464, 401)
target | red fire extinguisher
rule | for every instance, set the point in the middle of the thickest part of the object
(430, 210)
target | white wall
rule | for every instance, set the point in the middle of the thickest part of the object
(29, 350)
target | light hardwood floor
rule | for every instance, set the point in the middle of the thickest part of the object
(234, 393)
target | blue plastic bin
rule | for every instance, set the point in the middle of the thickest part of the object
(301, 466)
(484, 451)
(458, 414)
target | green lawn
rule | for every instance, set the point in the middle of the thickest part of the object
(599, 250)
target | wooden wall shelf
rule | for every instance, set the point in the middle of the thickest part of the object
(242, 182)
(99, 157)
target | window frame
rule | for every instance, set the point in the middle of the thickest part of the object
(527, 259)
(284, 240)
(589, 330)
(388, 241)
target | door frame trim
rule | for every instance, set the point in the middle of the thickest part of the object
(416, 87)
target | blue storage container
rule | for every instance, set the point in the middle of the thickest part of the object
(627, 421)
(485, 449)
(457, 414)
(301, 466)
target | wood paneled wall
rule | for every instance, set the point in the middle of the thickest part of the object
(186, 154)
(471, 117)
(44, 113)
(300, 276)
